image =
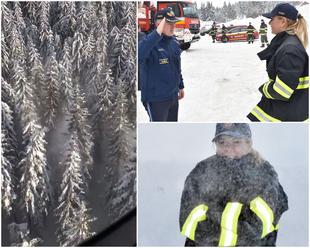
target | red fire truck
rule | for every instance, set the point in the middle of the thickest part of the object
(186, 29)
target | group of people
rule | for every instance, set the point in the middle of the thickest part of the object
(250, 33)
(284, 95)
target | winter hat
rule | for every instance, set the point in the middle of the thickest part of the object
(168, 14)
(237, 130)
(283, 9)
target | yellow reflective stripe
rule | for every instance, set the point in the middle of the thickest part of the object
(276, 227)
(264, 212)
(229, 224)
(303, 83)
(263, 116)
(284, 90)
(197, 214)
(265, 89)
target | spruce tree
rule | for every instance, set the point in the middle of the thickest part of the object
(65, 71)
(78, 123)
(72, 214)
(36, 76)
(34, 182)
(8, 161)
(51, 90)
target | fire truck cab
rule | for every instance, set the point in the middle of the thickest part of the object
(186, 29)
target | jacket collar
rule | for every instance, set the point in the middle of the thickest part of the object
(248, 158)
(167, 38)
(274, 45)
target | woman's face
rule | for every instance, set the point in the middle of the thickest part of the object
(278, 24)
(231, 147)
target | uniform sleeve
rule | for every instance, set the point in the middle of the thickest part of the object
(289, 68)
(181, 86)
(192, 209)
(147, 44)
(268, 206)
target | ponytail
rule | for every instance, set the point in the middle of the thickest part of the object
(299, 28)
(257, 158)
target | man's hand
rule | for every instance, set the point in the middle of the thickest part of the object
(161, 26)
(181, 94)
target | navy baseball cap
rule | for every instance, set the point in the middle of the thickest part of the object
(237, 130)
(283, 9)
(168, 14)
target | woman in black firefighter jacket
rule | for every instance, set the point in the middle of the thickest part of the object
(285, 94)
(233, 198)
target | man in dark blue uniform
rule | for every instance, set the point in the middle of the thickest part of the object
(159, 57)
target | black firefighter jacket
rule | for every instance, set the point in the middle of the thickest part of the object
(231, 202)
(285, 94)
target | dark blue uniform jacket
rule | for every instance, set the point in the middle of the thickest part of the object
(160, 68)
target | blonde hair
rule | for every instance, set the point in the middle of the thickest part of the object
(299, 28)
(257, 158)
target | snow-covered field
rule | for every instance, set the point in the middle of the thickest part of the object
(221, 80)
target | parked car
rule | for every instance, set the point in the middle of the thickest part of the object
(236, 33)
(206, 29)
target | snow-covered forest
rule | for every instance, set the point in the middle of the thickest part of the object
(241, 9)
(68, 119)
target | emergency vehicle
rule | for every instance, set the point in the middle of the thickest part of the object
(186, 29)
(236, 33)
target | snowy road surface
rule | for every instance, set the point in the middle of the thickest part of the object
(221, 81)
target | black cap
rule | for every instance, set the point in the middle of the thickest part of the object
(168, 14)
(237, 130)
(283, 9)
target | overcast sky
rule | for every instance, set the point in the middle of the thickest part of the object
(168, 152)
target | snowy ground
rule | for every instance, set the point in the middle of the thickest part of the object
(221, 80)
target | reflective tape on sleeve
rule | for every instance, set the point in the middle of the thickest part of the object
(303, 83)
(229, 224)
(265, 89)
(283, 89)
(196, 215)
(262, 115)
(264, 212)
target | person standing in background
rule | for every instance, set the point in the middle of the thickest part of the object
(250, 33)
(263, 33)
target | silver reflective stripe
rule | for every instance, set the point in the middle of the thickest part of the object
(263, 116)
(303, 83)
(284, 90)
(259, 116)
